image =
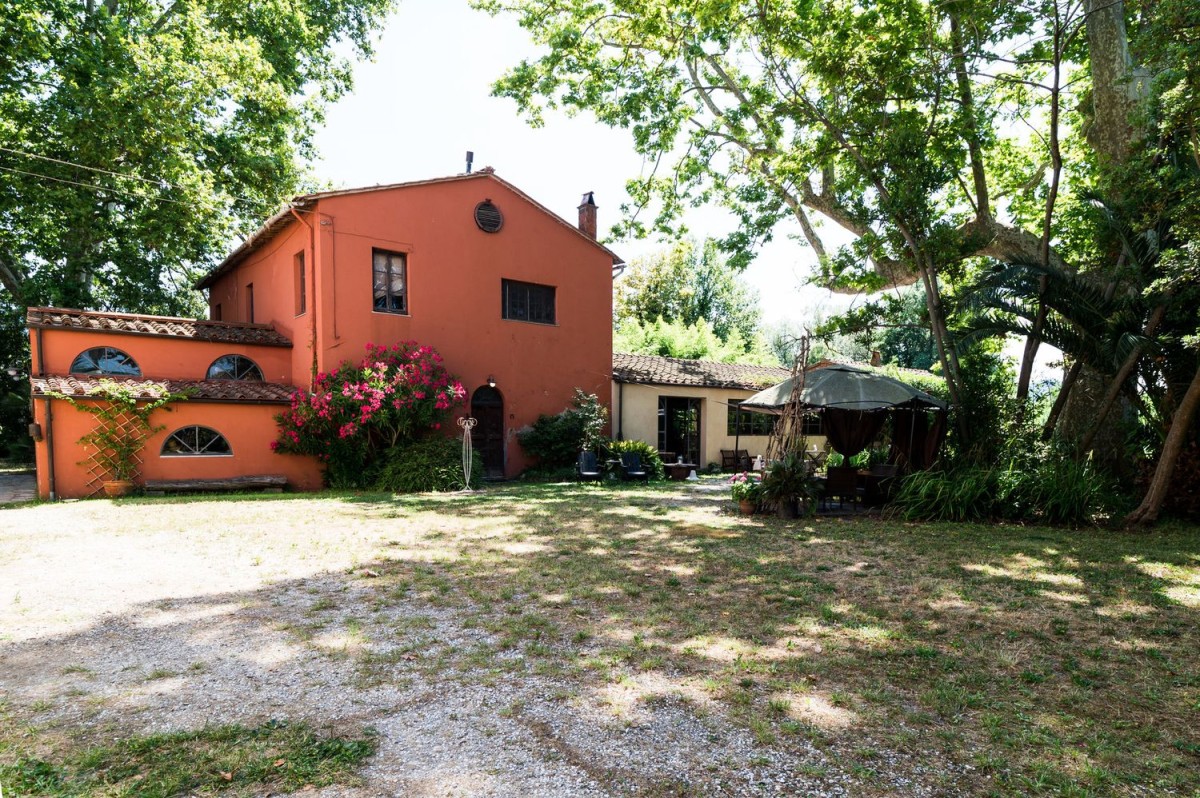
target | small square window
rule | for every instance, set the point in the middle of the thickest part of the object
(527, 302)
(390, 281)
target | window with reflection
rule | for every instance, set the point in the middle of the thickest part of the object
(195, 442)
(105, 360)
(234, 367)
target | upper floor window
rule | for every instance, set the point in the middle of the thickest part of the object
(195, 442)
(389, 281)
(301, 286)
(250, 302)
(527, 302)
(234, 367)
(105, 360)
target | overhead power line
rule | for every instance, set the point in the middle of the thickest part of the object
(159, 183)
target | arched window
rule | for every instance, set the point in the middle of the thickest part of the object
(195, 442)
(105, 360)
(234, 367)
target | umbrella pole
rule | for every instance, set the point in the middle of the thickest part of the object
(737, 434)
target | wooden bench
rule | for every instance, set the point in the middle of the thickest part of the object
(735, 460)
(269, 483)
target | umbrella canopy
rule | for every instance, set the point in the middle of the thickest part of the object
(843, 388)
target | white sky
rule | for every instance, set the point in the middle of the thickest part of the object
(426, 100)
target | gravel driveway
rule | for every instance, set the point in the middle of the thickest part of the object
(107, 633)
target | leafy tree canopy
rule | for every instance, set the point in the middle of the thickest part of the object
(685, 284)
(138, 136)
(695, 341)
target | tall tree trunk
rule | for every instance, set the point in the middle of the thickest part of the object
(1147, 512)
(1117, 88)
(1114, 387)
(1060, 401)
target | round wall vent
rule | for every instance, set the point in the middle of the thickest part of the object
(487, 217)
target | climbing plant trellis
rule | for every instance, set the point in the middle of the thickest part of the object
(96, 464)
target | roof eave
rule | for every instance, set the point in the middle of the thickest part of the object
(277, 223)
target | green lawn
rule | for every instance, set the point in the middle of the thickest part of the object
(1040, 661)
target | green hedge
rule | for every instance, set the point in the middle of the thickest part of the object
(432, 464)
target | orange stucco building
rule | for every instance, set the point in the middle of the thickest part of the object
(517, 300)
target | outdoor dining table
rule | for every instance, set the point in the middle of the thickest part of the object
(679, 471)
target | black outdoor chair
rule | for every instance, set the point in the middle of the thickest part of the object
(883, 481)
(842, 482)
(586, 468)
(632, 468)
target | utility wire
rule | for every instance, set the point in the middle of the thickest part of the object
(159, 183)
(92, 186)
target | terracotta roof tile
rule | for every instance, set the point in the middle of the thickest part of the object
(653, 370)
(163, 326)
(244, 391)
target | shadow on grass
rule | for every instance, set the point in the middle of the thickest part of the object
(1049, 661)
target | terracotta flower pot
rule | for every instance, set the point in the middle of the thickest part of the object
(118, 487)
(747, 506)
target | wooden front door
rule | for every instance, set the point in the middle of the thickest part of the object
(487, 406)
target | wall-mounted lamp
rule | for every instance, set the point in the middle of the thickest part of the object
(491, 381)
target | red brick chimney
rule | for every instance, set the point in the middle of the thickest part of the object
(587, 215)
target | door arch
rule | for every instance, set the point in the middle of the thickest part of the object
(487, 407)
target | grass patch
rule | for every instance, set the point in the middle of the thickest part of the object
(1035, 660)
(233, 760)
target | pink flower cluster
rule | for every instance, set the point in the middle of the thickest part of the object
(392, 394)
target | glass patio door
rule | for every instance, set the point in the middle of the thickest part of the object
(679, 427)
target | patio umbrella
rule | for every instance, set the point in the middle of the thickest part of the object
(851, 400)
(843, 388)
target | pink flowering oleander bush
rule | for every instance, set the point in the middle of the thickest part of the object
(745, 487)
(359, 411)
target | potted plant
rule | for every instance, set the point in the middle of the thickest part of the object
(122, 411)
(786, 482)
(746, 490)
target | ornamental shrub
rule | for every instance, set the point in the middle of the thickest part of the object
(650, 459)
(557, 440)
(355, 413)
(745, 487)
(433, 464)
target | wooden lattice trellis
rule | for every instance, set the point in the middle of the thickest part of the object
(97, 474)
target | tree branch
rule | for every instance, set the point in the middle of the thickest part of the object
(13, 283)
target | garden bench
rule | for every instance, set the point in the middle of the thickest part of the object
(270, 483)
(735, 460)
